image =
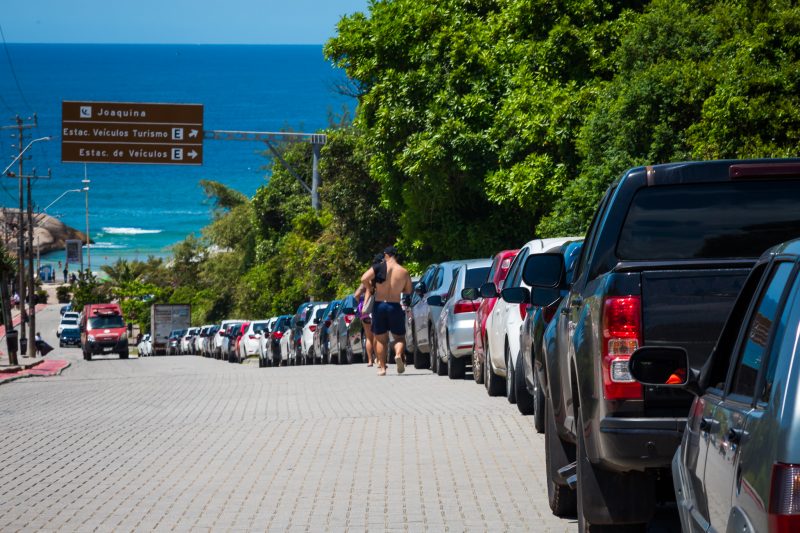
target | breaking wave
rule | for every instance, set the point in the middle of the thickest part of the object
(130, 231)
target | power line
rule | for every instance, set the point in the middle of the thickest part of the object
(13, 72)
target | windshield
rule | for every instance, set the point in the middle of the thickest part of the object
(69, 322)
(105, 322)
(259, 327)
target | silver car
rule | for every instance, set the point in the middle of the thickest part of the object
(456, 323)
(738, 465)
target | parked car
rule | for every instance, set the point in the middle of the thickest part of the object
(668, 250)
(307, 338)
(736, 468)
(456, 322)
(65, 308)
(321, 341)
(70, 336)
(174, 341)
(340, 331)
(219, 339)
(187, 339)
(501, 262)
(270, 348)
(251, 339)
(504, 326)
(207, 340)
(298, 321)
(527, 382)
(236, 333)
(413, 354)
(287, 355)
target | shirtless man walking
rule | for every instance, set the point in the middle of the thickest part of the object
(387, 314)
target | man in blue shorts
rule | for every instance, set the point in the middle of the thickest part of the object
(387, 314)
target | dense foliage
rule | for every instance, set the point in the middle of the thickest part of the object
(481, 124)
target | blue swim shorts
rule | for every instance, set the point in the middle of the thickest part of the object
(388, 316)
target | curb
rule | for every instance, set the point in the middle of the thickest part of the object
(19, 368)
(24, 374)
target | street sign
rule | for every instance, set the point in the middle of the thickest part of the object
(74, 251)
(138, 133)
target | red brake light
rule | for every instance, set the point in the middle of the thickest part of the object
(312, 328)
(523, 310)
(348, 319)
(277, 334)
(465, 306)
(622, 335)
(784, 498)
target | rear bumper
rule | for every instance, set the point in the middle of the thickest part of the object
(625, 444)
(461, 338)
(70, 341)
(98, 347)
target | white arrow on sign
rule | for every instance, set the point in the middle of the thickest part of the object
(193, 133)
(192, 154)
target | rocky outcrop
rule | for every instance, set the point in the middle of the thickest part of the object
(49, 233)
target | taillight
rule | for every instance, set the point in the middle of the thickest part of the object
(465, 306)
(312, 328)
(523, 309)
(277, 334)
(784, 498)
(348, 319)
(251, 337)
(327, 323)
(622, 335)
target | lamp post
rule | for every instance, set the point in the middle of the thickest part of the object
(44, 212)
(86, 181)
(21, 238)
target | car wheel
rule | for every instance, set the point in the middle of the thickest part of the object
(441, 366)
(477, 368)
(494, 387)
(60, 344)
(456, 367)
(420, 362)
(524, 398)
(557, 454)
(124, 355)
(538, 405)
(511, 392)
(349, 355)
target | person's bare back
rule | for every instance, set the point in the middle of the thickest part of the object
(397, 282)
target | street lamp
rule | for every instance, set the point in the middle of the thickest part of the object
(23, 151)
(86, 181)
(44, 212)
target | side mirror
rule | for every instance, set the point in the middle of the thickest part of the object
(488, 290)
(470, 293)
(516, 295)
(544, 270)
(421, 288)
(435, 300)
(663, 366)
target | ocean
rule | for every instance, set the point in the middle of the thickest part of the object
(141, 210)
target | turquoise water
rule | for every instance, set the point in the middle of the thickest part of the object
(141, 210)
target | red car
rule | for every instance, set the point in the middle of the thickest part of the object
(500, 265)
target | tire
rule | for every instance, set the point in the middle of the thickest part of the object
(60, 344)
(456, 367)
(538, 404)
(124, 355)
(420, 362)
(441, 366)
(349, 355)
(87, 356)
(561, 498)
(524, 398)
(494, 387)
(511, 391)
(477, 369)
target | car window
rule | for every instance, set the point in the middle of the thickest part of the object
(710, 220)
(591, 235)
(782, 342)
(476, 276)
(453, 283)
(751, 354)
(438, 279)
(515, 273)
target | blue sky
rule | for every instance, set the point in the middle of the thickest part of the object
(174, 21)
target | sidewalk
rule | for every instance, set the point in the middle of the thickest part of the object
(41, 367)
(24, 362)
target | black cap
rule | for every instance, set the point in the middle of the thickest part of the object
(391, 251)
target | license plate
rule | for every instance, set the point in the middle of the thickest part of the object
(107, 349)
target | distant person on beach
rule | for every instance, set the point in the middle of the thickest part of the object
(66, 273)
(388, 315)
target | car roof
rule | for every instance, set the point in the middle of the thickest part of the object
(540, 245)
(706, 171)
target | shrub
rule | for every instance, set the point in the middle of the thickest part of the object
(63, 295)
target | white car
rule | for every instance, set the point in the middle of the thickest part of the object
(251, 340)
(145, 347)
(503, 325)
(455, 334)
(187, 340)
(219, 338)
(67, 322)
(285, 345)
(307, 337)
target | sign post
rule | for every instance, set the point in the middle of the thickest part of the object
(137, 133)
(74, 252)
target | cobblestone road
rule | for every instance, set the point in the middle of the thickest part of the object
(186, 443)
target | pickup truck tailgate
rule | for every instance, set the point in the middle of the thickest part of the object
(688, 309)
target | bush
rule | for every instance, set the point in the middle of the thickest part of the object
(41, 296)
(62, 294)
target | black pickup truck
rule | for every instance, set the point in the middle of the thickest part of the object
(662, 263)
